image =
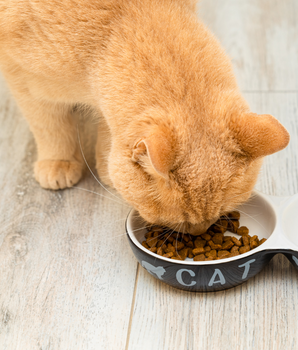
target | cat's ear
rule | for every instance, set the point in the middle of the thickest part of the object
(155, 154)
(260, 135)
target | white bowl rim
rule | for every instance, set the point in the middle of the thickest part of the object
(264, 247)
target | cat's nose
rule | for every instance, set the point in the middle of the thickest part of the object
(198, 229)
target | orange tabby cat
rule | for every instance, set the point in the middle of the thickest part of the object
(178, 141)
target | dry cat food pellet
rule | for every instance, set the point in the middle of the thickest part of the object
(211, 245)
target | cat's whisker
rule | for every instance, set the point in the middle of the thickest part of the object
(169, 235)
(227, 218)
(219, 225)
(98, 194)
(162, 234)
(177, 240)
(242, 212)
(122, 234)
(177, 236)
(90, 168)
(120, 219)
(174, 230)
(250, 205)
(165, 239)
(238, 195)
(125, 233)
(256, 215)
(182, 235)
(155, 237)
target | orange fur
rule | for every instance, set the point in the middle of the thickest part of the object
(178, 140)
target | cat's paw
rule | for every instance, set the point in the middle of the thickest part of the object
(57, 174)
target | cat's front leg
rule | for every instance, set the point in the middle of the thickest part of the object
(57, 174)
(103, 148)
(59, 163)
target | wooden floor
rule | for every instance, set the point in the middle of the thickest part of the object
(68, 279)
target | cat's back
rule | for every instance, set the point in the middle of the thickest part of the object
(19, 16)
(41, 21)
(68, 29)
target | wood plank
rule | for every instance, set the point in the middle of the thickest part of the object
(67, 279)
(261, 313)
(261, 38)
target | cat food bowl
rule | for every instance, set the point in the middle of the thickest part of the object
(273, 218)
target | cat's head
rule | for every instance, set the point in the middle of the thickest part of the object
(186, 177)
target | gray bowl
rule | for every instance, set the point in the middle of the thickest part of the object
(268, 217)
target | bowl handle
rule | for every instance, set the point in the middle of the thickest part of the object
(283, 238)
(292, 256)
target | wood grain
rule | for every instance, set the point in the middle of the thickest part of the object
(260, 36)
(68, 278)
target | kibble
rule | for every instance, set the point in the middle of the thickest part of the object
(218, 238)
(236, 241)
(199, 243)
(190, 255)
(183, 253)
(234, 215)
(168, 255)
(212, 253)
(227, 245)
(211, 245)
(198, 251)
(227, 238)
(152, 242)
(200, 257)
(170, 249)
(206, 236)
(144, 244)
(243, 230)
(153, 250)
(245, 240)
(244, 249)
(159, 251)
(233, 226)
(179, 245)
(223, 253)
(214, 246)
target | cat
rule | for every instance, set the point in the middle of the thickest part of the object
(177, 139)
